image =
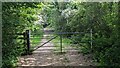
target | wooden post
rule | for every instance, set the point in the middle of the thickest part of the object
(28, 41)
(61, 43)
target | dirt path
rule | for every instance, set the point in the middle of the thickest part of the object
(45, 56)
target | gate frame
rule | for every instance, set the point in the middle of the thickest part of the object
(27, 38)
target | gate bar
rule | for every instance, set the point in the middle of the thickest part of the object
(45, 43)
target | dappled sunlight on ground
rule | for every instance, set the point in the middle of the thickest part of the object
(46, 56)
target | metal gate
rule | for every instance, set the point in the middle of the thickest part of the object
(57, 34)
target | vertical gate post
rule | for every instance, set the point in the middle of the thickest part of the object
(91, 40)
(28, 41)
(61, 43)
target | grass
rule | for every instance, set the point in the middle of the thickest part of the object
(57, 44)
(35, 38)
(82, 48)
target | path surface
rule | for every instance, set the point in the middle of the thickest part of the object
(45, 56)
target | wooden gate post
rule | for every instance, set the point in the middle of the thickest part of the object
(28, 41)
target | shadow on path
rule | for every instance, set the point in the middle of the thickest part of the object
(45, 56)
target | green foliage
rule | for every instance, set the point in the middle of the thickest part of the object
(16, 18)
(102, 18)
